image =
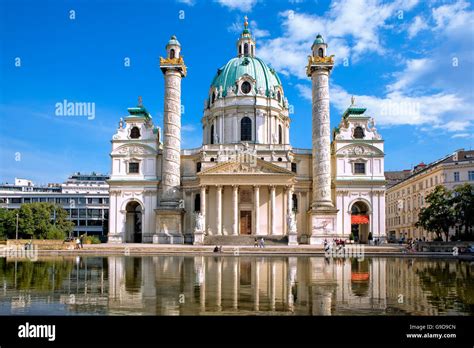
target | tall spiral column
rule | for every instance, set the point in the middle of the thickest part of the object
(323, 213)
(171, 193)
(170, 209)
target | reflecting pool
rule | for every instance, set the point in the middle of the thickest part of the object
(231, 285)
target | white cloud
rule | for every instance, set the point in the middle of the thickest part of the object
(414, 70)
(241, 5)
(238, 26)
(256, 32)
(398, 109)
(187, 2)
(305, 91)
(452, 17)
(455, 126)
(188, 128)
(462, 135)
(344, 27)
(428, 91)
(418, 25)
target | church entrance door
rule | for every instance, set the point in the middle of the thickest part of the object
(245, 222)
(133, 223)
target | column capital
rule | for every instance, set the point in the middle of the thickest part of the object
(219, 187)
(256, 186)
(235, 187)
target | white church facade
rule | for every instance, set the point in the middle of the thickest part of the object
(246, 180)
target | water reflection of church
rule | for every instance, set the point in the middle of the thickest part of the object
(231, 285)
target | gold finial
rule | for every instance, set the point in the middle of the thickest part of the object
(353, 101)
(246, 23)
(140, 101)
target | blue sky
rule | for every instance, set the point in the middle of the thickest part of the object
(411, 63)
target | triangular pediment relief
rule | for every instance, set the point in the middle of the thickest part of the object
(134, 149)
(359, 150)
(257, 167)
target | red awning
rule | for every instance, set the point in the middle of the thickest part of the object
(359, 219)
(360, 276)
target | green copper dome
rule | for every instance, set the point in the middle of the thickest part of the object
(173, 41)
(319, 39)
(227, 76)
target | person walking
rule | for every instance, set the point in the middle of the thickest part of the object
(81, 240)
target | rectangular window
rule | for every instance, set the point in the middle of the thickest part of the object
(359, 168)
(15, 200)
(293, 167)
(420, 185)
(456, 176)
(26, 200)
(133, 168)
(471, 175)
(431, 181)
(436, 180)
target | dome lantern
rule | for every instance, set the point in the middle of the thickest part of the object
(246, 43)
(319, 47)
(173, 48)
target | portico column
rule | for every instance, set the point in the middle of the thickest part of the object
(203, 205)
(235, 204)
(219, 209)
(256, 191)
(289, 199)
(272, 209)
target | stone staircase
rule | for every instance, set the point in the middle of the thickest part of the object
(245, 240)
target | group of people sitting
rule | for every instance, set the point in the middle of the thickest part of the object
(259, 243)
(337, 243)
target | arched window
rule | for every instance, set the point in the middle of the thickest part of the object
(246, 87)
(245, 129)
(251, 47)
(280, 135)
(172, 53)
(246, 49)
(198, 167)
(321, 52)
(358, 133)
(197, 202)
(279, 96)
(211, 135)
(135, 133)
(240, 50)
(213, 97)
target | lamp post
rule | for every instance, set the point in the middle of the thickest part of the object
(16, 226)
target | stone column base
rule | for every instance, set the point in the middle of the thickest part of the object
(322, 224)
(169, 226)
(293, 239)
(198, 238)
(115, 238)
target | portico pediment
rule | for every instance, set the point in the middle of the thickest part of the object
(134, 149)
(359, 150)
(256, 167)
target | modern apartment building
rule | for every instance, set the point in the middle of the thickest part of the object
(84, 196)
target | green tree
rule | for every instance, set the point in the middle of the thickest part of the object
(439, 215)
(36, 220)
(26, 223)
(7, 223)
(463, 203)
